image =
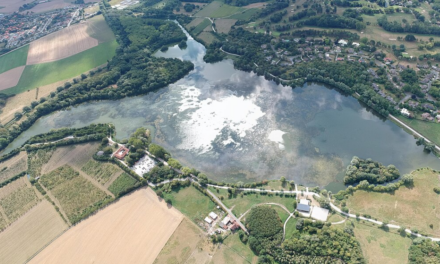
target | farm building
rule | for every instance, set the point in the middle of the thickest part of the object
(226, 220)
(121, 152)
(213, 215)
(208, 220)
(319, 213)
(303, 208)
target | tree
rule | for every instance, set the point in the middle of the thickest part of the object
(203, 179)
(408, 179)
(174, 163)
(410, 38)
(157, 151)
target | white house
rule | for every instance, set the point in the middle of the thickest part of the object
(405, 112)
(208, 220)
(342, 42)
(304, 201)
(213, 215)
(355, 44)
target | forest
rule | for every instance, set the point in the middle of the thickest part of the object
(372, 171)
(424, 251)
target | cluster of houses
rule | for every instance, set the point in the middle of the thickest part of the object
(226, 224)
(17, 30)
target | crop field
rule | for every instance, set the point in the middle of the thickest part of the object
(98, 29)
(10, 6)
(201, 26)
(191, 202)
(246, 14)
(122, 183)
(242, 204)
(74, 193)
(218, 9)
(188, 244)
(10, 78)
(14, 59)
(62, 44)
(100, 171)
(30, 233)
(224, 25)
(207, 37)
(132, 230)
(415, 208)
(13, 166)
(233, 251)
(37, 159)
(17, 198)
(50, 72)
(379, 246)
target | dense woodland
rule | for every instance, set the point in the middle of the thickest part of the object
(371, 171)
(424, 251)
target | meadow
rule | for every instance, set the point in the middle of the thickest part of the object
(47, 73)
(430, 130)
(14, 59)
(99, 29)
(201, 26)
(417, 207)
(218, 9)
(13, 166)
(102, 172)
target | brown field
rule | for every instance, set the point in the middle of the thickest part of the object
(10, 6)
(10, 78)
(188, 244)
(14, 166)
(54, 4)
(224, 25)
(133, 230)
(60, 45)
(255, 5)
(195, 22)
(29, 233)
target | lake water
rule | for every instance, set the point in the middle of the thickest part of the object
(237, 126)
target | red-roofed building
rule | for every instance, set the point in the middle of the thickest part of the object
(121, 152)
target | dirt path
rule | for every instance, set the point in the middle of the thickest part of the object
(2, 212)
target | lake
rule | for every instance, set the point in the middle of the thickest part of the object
(237, 126)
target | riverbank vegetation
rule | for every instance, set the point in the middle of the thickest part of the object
(371, 171)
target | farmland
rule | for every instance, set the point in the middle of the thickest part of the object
(75, 194)
(16, 198)
(30, 233)
(207, 37)
(47, 73)
(201, 26)
(217, 10)
(102, 172)
(10, 6)
(133, 230)
(233, 251)
(404, 206)
(62, 44)
(122, 183)
(37, 159)
(10, 78)
(13, 166)
(14, 59)
(224, 25)
(99, 30)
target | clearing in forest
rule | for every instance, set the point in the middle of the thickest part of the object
(13, 166)
(416, 207)
(132, 230)
(30, 233)
(61, 44)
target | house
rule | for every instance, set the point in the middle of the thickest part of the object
(121, 152)
(342, 42)
(355, 44)
(213, 215)
(208, 220)
(226, 221)
(438, 118)
(405, 112)
(234, 226)
(303, 208)
(427, 116)
(340, 59)
(350, 50)
(304, 201)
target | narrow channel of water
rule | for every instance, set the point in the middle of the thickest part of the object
(236, 126)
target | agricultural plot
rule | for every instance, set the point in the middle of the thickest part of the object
(201, 26)
(50, 72)
(416, 208)
(133, 230)
(245, 15)
(10, 78)
(122, 183)
(207, 37)
(11, 6)
(30, 233)
(218, 9)
(188, 244)
(13, 59)
(102, 172)
(224, 25)
(37, 159)
(97, 28)
(16, 199)
(233, 251)
(75, 194)
(62, 44)
(13, 166)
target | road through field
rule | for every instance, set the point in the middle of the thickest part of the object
(133, 230)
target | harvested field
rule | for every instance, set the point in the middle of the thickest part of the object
(10, 78)
(30, 233)
(188, 244)
(100, 171)
(76, 156)
(75, 194)
(13, 166)
(53, 4)
(16, 199)
(224, 25)
(133, 230)
(11, 6)
(255, 5)
(62, 44)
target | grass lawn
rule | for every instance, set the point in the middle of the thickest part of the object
(14, 59)
(191, 202)
(428, 129)
(234, 251)
(281, 212)
(218, 9)
(241, 205)
(414, 208)
(99, 29)
(207, 37)
(379, 246)
(47, 73)
(291, 227)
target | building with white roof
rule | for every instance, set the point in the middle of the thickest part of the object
(213, 215)
(405, 112)
(342, 42)
(208, 220)
(319, 213)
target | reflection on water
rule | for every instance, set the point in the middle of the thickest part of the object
(236, 126)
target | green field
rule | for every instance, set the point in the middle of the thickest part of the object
(191, 202)
(234, 251)
(100, 30)
(14, 59)
(430, 130)
(201, 26)
(218, 9)
(122, 183)
(245, 15)
(242, 204)
(47, 73)
(379, 246)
